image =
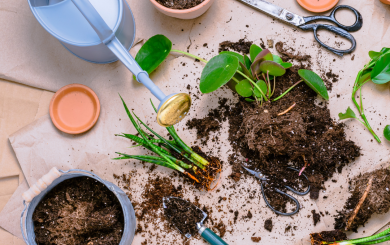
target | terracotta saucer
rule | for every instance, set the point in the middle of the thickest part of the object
(386, 1)
(318, 6)
(74, 109)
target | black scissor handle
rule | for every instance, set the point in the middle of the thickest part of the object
(294, 190)
(336, 30)
(332, 18)
(298, 206)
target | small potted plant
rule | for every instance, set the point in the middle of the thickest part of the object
(189, 9)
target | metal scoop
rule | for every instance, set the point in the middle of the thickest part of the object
(173, 108)
(205, 232)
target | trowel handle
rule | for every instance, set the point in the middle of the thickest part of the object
(107, 36)
(41, 185)
(211, 237)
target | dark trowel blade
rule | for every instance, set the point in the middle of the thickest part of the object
(169, 200)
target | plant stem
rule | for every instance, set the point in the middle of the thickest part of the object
(254, 84)
(288, 90)
(289, 109)
(273, 91)
(190, 55)
(269, 84)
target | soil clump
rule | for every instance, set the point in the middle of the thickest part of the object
(242, 46)
(268, 225)
(183, 215)
(306, 136)
(180, 4)
(79, 211)
(377, 201)
(327, 236)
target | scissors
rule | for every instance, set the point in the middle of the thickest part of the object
(303, 22)
(263, 180)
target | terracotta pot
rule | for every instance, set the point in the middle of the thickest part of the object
(385, 1)
(185, 14)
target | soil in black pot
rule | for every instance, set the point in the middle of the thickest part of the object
(79, 211)
(180, 4)
(376, 200)
(183, 215)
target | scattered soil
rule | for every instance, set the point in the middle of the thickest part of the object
(327, 236)
(221, 227)
(79, 211)
(316, 217)
(377, 200)
(183, 215)
(305, 136)
(242, 46)
(256, 239)
(268, 225)
(289, 53)
(180, 4)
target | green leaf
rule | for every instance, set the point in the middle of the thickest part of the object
(239, 56)
(272, 68)
(374, 55)
(217, 72)
(250, 100)
(248, 62)
(262, 56)
(385, 50)
(277, 59)
(246, 71)
(263, 86)
(314, 82)
(348, 114)
(364, 78)
(244, 88)
(286, 65)
(254, 51)
(386, 132)
(153, 53)
(381, 72)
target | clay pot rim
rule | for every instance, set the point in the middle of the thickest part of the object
(318, 10)
(87, 127)
(180, 11)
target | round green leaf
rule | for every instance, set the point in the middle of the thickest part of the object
(239, 56)
(286, 65)
(153, 53)
(272, 68)
(250, 100)
(248, 62)
(386, 132)
(218, 71)
(244, 88)
(381, 72)
(263, 87)
(277, 59)
(254, 51)
(314, 82)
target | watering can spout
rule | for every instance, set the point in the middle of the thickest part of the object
(172, 108)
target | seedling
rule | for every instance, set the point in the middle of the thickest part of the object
(375, 239)
(173, 154)
(377, 71)
(253, 78)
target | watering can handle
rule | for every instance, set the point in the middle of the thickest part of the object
(41, 185)
(107, 36)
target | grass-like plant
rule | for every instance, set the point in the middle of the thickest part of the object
(173, 154)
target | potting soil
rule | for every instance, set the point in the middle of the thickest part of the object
(79, 211)
(180, 4)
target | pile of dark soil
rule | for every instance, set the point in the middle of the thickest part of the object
(242, 46)
(79, 211)
(180, 4)
(183, 215)
(377, 201)
(305, 136)
(327, 236)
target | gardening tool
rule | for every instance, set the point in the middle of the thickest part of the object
(103, 31)
(263, 181)
(38, 191)
(303, 22)
(205, 232)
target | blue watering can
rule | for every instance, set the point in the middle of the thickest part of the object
(102, 31)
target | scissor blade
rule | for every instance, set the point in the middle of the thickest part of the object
(276, 11)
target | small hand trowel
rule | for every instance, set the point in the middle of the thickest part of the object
(178, 212)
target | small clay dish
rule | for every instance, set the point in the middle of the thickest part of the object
(185, 14)
(74, 109)
(386, 1)
(318, 6)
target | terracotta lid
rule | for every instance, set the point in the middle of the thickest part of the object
(386, 1)
(318, 6)
(74, 109)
